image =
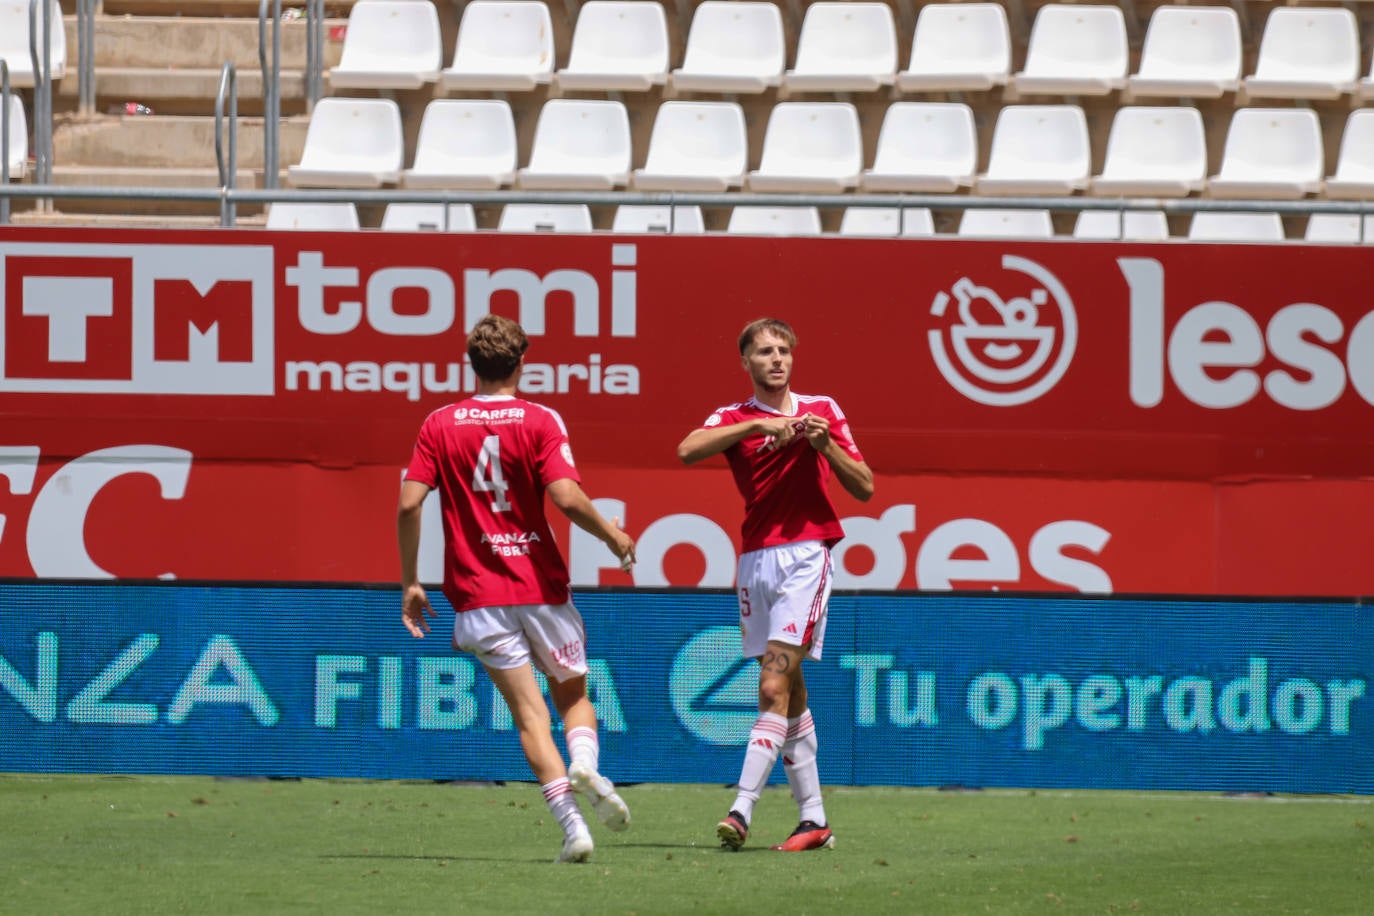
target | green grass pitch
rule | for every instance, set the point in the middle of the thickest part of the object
(110, 845)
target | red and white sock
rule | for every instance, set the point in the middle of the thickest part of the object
(799, 760)
(584, 746)
(558, 795)
(766, 739)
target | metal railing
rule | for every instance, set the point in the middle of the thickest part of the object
(85, 55)
(227, 162)
(42, 91)
(271, 89)
(4, 137)
(314, 53)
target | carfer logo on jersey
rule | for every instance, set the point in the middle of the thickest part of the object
(136, 319)
(1004, 340)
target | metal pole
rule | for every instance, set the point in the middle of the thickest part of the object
(4, 138)
(271, 90)
(228, 171)
(86, 33)
(47, 92)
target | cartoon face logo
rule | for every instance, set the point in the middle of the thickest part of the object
(1004, 351)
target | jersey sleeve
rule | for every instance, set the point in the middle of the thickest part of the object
(423, 467)
(842, 435)
(553, 451)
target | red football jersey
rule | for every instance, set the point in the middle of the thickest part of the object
(491, 458)
(785, 494)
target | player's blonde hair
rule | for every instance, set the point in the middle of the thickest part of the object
(495, 347)
(760, 325)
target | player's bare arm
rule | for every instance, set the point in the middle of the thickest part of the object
(703, 443)
(573, 502)
(854, 476)
(414, 602)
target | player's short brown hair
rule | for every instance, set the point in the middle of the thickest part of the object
(495, 347)
(772, 325)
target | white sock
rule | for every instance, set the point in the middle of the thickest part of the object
(558, 795)
(765, 741)
(584, 747)
(799, 760)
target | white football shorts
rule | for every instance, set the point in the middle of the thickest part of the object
(549, 636)
(783, 593)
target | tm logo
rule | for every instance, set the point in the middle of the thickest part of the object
(1004, 352)
(136, 319)
(714, 691)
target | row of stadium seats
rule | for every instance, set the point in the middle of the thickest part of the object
(816, 147)
(1148, 225)
(740, 47)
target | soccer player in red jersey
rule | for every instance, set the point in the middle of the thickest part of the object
(492, 458)
(782, 448)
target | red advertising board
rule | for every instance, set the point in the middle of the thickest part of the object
(1167, 417)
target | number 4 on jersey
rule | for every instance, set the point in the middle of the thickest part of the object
(487, 477)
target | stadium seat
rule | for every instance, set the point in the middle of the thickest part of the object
(1354, 178)
(1189, 52)
(19, 137)
(351, 143)
(924, 147)
(617, 45)
(1271, 152)
(545, 218)
(1037, 149)
(1342, 228)
(1075, 50)
(390, 44)
(749, 220)
(291, 215)
(647, 219)
(695, 146)
(1131, 225)
(733, 46)
(14, 42)
(464, 143)
(1016, 224)
(844, 47)
(579, 144)
(887, 221)
(1215, 226)
(429, 217)
(1154, 152)
(810, 147)
(1306, 53)
(958, 47)
(502, 45)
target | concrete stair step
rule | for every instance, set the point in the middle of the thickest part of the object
(188, 42)
(132, 177)
(167, 141)
(129, 220)
(162, 84)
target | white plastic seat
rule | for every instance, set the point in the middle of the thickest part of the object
(1154, 152)
(14, 41)
(1307, 53)
(696, 146)
(958, 47)
(810, 147)
(1354, 178)
(1012, 224)
(733, 46)
(845, 47)
(648, 219)
(1342, 228)
(1037, 149)
(429, 218)
(545, 218)
(887, 221)
(617, 45)
(464, 143)
(323, 217)
(390, 44)
(1131, 225)
(1216, 226)
(924, 147)
(1271, 152)
(351, 143)
(750, 220)
(579, 144)
(1189, 52)
(502, 45)
(19, 137)
(1075, 50)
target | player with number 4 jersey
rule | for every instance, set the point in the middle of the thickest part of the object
(492, 459)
